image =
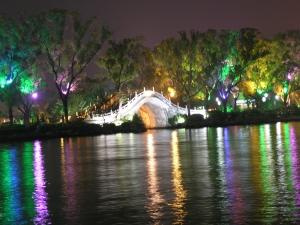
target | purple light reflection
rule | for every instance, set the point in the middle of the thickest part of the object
(234, 185)
(40, 195)
(295, 165)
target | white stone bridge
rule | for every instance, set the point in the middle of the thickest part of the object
(151, 106)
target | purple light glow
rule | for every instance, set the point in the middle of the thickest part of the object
(40, 195)
(34, 95)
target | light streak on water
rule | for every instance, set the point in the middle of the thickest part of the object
(178, 187)
(154, 207)
(40, 195)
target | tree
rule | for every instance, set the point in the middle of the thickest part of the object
(259, 76)
(29, 85)
(288, 67)
(119, 64)
(209, 49)
(18, 51)
(182, 59)
(234, 55)
(69, 45)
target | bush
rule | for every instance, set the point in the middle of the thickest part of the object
(195, 118)
(173, 121)
(217, 115)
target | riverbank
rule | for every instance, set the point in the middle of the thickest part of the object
(45, 131)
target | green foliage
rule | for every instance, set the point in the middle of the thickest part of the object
(69, 45)
(182, 59)
(177, 119)
(134, 125)
(119, 62)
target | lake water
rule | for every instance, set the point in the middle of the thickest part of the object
(231, 175)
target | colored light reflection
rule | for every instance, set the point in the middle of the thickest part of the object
(180, 194)
(69, 177)
(295, 170)
(23, 199)
(10, 194)
(221, 177)
(266, 175)
(154, 208)
(28, 179)
(40, 195)
(233, 177)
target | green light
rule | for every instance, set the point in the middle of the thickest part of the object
(181, 119)
(27, 169)
(285, 90)
(27, 85)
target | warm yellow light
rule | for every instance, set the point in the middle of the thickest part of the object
(171, 91)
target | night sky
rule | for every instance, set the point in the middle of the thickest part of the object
(161, 19)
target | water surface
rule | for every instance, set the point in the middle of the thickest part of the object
(231, 175)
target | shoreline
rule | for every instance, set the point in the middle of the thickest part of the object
(83, 130)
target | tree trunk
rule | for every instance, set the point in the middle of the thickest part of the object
(206, 100)
(189, 108)
(65, 105)
(120, 106)
(234, 107)
(10, 115)
(26, 119)
(224, 101)
(285, 98)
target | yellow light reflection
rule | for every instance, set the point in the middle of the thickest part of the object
(154, 208)
(178, 188)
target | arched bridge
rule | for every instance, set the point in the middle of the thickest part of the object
(152, 107)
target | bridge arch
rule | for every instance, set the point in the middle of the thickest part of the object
(153, 108)
(153, 113)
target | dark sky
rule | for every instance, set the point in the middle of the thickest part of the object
(160, 19)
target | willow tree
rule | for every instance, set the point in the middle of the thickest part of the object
(181, 60)
(119, 65)
(18, 51)
(69, 45)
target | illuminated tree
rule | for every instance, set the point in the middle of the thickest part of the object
(18, 51)
(288, 67)
(29, 86)
(69, 45)
(234, 55)
(209, 49)
(259, 75)
(119, 64)
(182, 59)
(146, 69)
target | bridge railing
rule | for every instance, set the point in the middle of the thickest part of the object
(138, 97)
